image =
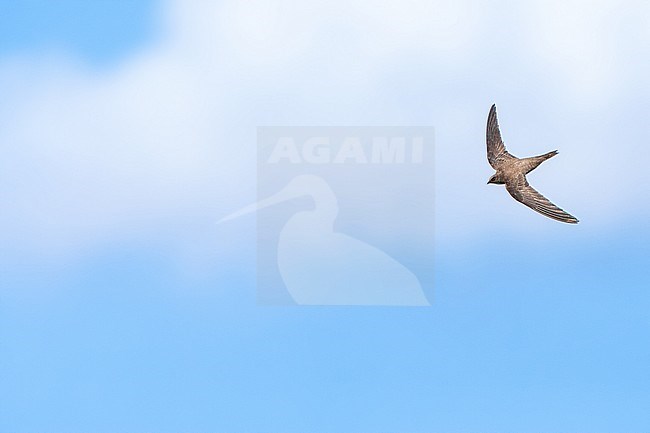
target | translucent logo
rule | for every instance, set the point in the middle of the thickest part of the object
(344, 216)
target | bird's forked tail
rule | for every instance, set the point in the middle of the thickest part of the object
(548, 155)
(534, 161)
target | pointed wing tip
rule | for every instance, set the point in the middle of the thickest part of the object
(492, 115)
(560, 218)
(563, 217)
(569, 219)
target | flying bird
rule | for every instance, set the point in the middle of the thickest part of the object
(512, 172)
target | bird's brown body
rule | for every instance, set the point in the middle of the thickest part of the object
(511, 172)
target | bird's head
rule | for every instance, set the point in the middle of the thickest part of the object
(495, 179)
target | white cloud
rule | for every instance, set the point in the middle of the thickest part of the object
(171, 131)
(590, 46)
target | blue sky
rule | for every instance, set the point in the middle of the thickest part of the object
(99, 32)
(128, 129)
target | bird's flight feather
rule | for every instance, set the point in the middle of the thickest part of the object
(521, 190)
(496, 150)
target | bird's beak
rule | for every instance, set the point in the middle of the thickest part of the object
(489, 182)
(283, 195)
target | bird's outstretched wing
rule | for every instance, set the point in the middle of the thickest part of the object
(526, 194)
(496, 150)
